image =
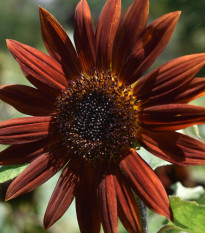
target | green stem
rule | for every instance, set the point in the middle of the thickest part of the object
(143, 215)
(166, 228)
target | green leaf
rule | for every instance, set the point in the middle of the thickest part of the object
(188, 193)
(169, 228)
(10, 171)
(152, 160)
(196, 129)
(188, 215)
(192, 131)
(202, 200)
(155, 221)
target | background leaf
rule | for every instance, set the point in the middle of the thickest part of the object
(152, 160)
(11, 171)
(188, 215)
(202, 200)
(170, 228)
(186, 211)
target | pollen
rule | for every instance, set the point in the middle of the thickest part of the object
(96, 117)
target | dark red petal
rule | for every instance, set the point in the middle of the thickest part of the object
(193, 90)
(40, 69)
(145, 184)
(23, 153)
(172, 116)
(105, 32)
(152, 42)
(130, 28)
(84, 35)
(23, 130)
(174, 147)
(59, 45)
(176, 89)
(63, 194)
(127, 207)
(37, 173)
(168, 79)
(86, 202)
(108, 201)
(26, 99)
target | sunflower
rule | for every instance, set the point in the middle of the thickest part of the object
(90, 109)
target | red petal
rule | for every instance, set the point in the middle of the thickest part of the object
(193, 90)
(148, 47)
(108, 201)
(172, 116)
(84, 35)
(130, 28)
(23, 153)
(40, 69)
(63, 194)
(145, 184)
(59, 45)
(37, 173)
(26, 99)
(127, 206)
(168, 79)
(174, 147)
(86, 199)
(105, 32)
(23, 130)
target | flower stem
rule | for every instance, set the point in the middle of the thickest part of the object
(166, 228)
(143, 215)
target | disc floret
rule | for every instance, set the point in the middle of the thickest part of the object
(96, 117)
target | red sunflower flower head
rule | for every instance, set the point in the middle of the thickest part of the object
(87, 116)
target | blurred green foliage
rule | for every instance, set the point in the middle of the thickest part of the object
(19, 20)
(191, 34)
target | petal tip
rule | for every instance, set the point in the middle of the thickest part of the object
(47, 223)
(175, 15)
(43, 12)
(41, 9)
(178, 13)
(7, 199)
(8, 42)
(9, 196)
(11, 43)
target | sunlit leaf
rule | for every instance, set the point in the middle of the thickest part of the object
(188, 215)
(11, 171)
(152, 160)
(202, 200)
(192, 131)
(170, 228)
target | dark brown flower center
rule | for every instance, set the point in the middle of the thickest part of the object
(96, 118)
